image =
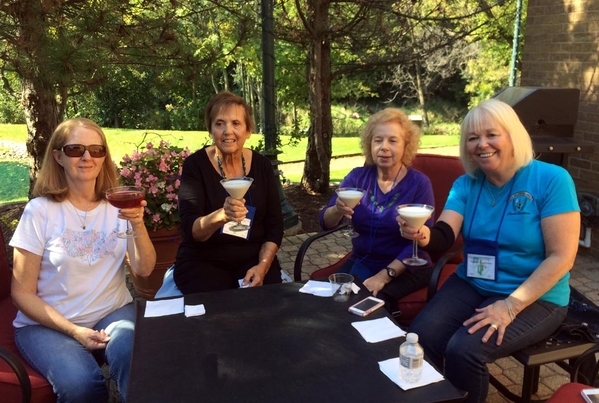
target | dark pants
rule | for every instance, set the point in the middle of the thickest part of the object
(442, 335)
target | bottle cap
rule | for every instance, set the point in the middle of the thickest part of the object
(412, 338)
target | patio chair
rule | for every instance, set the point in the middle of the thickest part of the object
(442, 171)
(570, 392)
(18, 381)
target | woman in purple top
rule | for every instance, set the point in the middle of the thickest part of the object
(389, 142)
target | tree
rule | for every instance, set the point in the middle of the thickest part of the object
(61, 48)
(348, 37)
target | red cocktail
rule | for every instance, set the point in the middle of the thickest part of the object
(125, 197)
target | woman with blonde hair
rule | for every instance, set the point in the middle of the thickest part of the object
(69, 273)
(520, 221)
(389, 142)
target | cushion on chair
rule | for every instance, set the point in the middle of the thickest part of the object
(323, 274)
(10, 390)
(568, 393)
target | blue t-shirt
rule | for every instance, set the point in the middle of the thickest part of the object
(380, 241)
(538, 190)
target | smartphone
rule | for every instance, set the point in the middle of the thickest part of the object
(590, 395)
(366, 306)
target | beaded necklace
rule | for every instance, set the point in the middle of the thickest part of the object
(222, 171)
(386, 203)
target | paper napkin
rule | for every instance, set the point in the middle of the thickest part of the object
(323, 288)
(390, 368)
(376, 330)
(164, 307)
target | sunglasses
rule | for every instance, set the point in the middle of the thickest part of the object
(77, 150)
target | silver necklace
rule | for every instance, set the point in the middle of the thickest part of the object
(491, 193)
(83, 227)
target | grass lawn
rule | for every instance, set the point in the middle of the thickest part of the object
(15, 175)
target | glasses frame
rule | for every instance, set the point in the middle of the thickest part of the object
(94, 154)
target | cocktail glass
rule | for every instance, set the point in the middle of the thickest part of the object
(126, 197)
(351, 197)
(237, 188)
(415, 215)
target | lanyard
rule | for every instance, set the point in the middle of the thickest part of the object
(513, 180)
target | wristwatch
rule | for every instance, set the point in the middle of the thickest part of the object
(391, 272)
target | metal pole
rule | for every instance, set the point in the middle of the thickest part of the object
(290, 218)
(516, 44)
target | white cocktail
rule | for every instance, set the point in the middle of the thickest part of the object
(237, 188)
(350, 197)
(415, 215)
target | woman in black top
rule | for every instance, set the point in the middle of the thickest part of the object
(211, 256)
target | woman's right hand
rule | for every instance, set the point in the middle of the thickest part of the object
(234, 209)
(342, 209)
(91, 339)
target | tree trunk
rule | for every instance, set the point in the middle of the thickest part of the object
(316, 175)
(41, 116)
(421, 96)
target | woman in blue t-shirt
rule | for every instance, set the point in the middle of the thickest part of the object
(520, 221)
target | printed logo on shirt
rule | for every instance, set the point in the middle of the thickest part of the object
(520, 203)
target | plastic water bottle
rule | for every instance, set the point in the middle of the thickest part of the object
(411, 356)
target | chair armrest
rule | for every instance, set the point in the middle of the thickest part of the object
(301, 253)
(436, 275)
(17, 366)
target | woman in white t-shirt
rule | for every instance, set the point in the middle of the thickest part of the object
(69, 276)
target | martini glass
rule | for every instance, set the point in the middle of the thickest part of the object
(126, 197)
(237, 188)
(351, 197)
(415, 215)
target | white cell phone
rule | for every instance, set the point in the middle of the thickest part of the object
(590, 395)
(366, 306)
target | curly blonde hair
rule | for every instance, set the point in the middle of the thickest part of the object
(411, 134)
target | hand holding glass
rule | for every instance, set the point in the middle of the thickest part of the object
(126, 197)
(237, 188)
(351, 197)
(415, 215)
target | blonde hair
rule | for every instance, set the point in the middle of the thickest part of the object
(503, 115)
(411, 134)
(52, 182)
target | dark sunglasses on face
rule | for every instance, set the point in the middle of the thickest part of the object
(77, 150)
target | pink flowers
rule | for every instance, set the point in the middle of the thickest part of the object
(158, 169)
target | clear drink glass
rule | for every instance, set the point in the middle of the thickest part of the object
(351, 197)
(126, 197)
(237, 188)
(415, 215)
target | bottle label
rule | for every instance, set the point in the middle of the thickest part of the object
(410, 362)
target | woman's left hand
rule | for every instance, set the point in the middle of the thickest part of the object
(376, 283)
(254, 277)
(495, 316)
(134, 215)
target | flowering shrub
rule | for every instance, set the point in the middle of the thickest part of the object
(158, 169)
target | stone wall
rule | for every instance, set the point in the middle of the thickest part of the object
(561, 49)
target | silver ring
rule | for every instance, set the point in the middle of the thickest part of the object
(494, 326)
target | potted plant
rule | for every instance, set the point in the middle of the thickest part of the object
(158, 169)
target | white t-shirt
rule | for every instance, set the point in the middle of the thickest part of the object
(82, 272)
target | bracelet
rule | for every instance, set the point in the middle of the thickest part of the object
(509, 309)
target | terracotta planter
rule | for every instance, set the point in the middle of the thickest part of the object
(166, 242)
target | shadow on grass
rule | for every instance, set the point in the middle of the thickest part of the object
(15, 181)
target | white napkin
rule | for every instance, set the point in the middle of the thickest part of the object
(194, 310)
(376, 330)
(164, 307)
(323, 288)
(390, 368)
(319, 288)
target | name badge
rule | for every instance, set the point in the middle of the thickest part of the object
(248, 220)
(481, 258)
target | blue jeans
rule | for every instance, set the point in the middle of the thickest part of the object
(442, 335)
(70, 368)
